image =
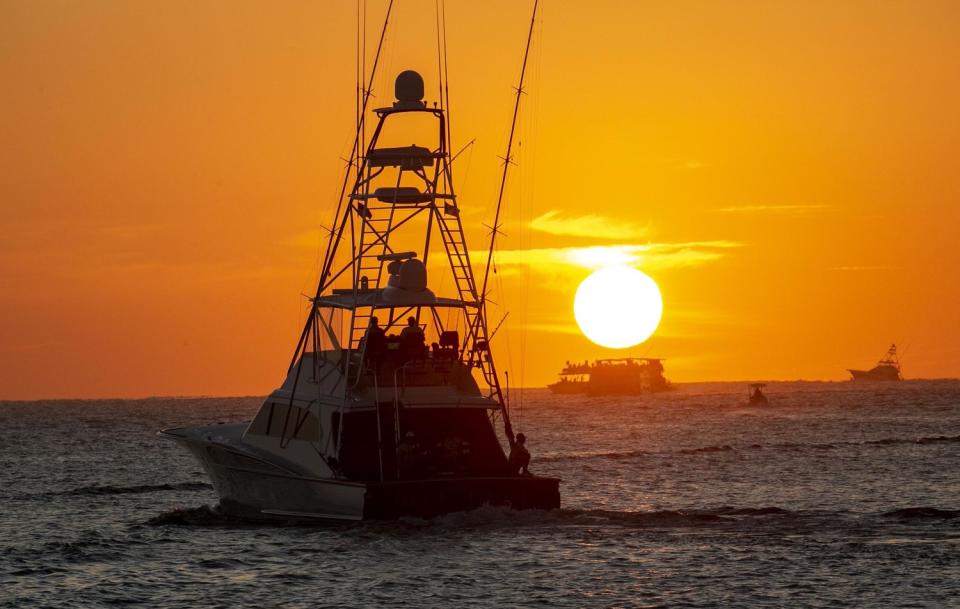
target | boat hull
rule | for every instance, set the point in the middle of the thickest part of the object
(568, 388)
(598, 390)
(256, 489)
(883, 375)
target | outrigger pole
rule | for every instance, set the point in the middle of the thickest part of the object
(335, 234)
(357, 146)
(481, 318)
(506, 161)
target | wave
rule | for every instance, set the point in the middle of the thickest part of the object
(656, 518)
(926, 440)
(89, 546)
(142, 488)
(922, 513)
(203, 516)
(764, 511)
(628, 454)
(706, 449)
(631, 454)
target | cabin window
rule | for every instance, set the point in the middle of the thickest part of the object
(301, 425)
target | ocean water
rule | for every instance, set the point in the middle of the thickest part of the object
(836, 495)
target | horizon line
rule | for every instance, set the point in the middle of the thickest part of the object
(673, 383)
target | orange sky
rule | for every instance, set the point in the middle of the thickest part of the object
(786, 171)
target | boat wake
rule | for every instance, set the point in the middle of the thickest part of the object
(770, 518)
(203, 516)
(720, 448)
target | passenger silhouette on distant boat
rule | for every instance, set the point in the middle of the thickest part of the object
(519, 457)
(375, 343)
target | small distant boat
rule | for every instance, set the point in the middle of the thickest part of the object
(887, 369)
(757, 397)
(622, 376)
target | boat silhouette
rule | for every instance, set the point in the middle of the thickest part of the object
(391, 402)
(612, 376)
(756, 395)
(887, 369)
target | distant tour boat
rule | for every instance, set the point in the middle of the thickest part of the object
(887, 369)
(623, 376)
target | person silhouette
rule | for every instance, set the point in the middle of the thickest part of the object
(519, 457)
(375, 343)
(412, 339)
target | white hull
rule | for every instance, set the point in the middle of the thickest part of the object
(255, 487)
(249, 483)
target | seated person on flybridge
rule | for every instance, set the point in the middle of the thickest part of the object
(412, 340)
(374, 342)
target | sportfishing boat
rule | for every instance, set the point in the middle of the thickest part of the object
(392, 402)
(887, 369)
(756, 395)
(621, 376)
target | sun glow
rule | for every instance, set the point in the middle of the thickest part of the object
(618, 307)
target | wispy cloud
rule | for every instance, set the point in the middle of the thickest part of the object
(864, 268)
(652, 256)
(760, 209)
(589, 225)
(553, 328)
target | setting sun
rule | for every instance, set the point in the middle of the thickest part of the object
(618, 307)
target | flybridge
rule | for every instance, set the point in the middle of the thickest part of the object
(400, 195)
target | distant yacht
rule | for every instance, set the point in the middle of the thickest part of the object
(887, 369)
(623, 376)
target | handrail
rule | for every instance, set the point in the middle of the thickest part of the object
(376, 395)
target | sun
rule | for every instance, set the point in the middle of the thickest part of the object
(618, 307)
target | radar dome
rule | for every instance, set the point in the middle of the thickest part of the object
(409, 87)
